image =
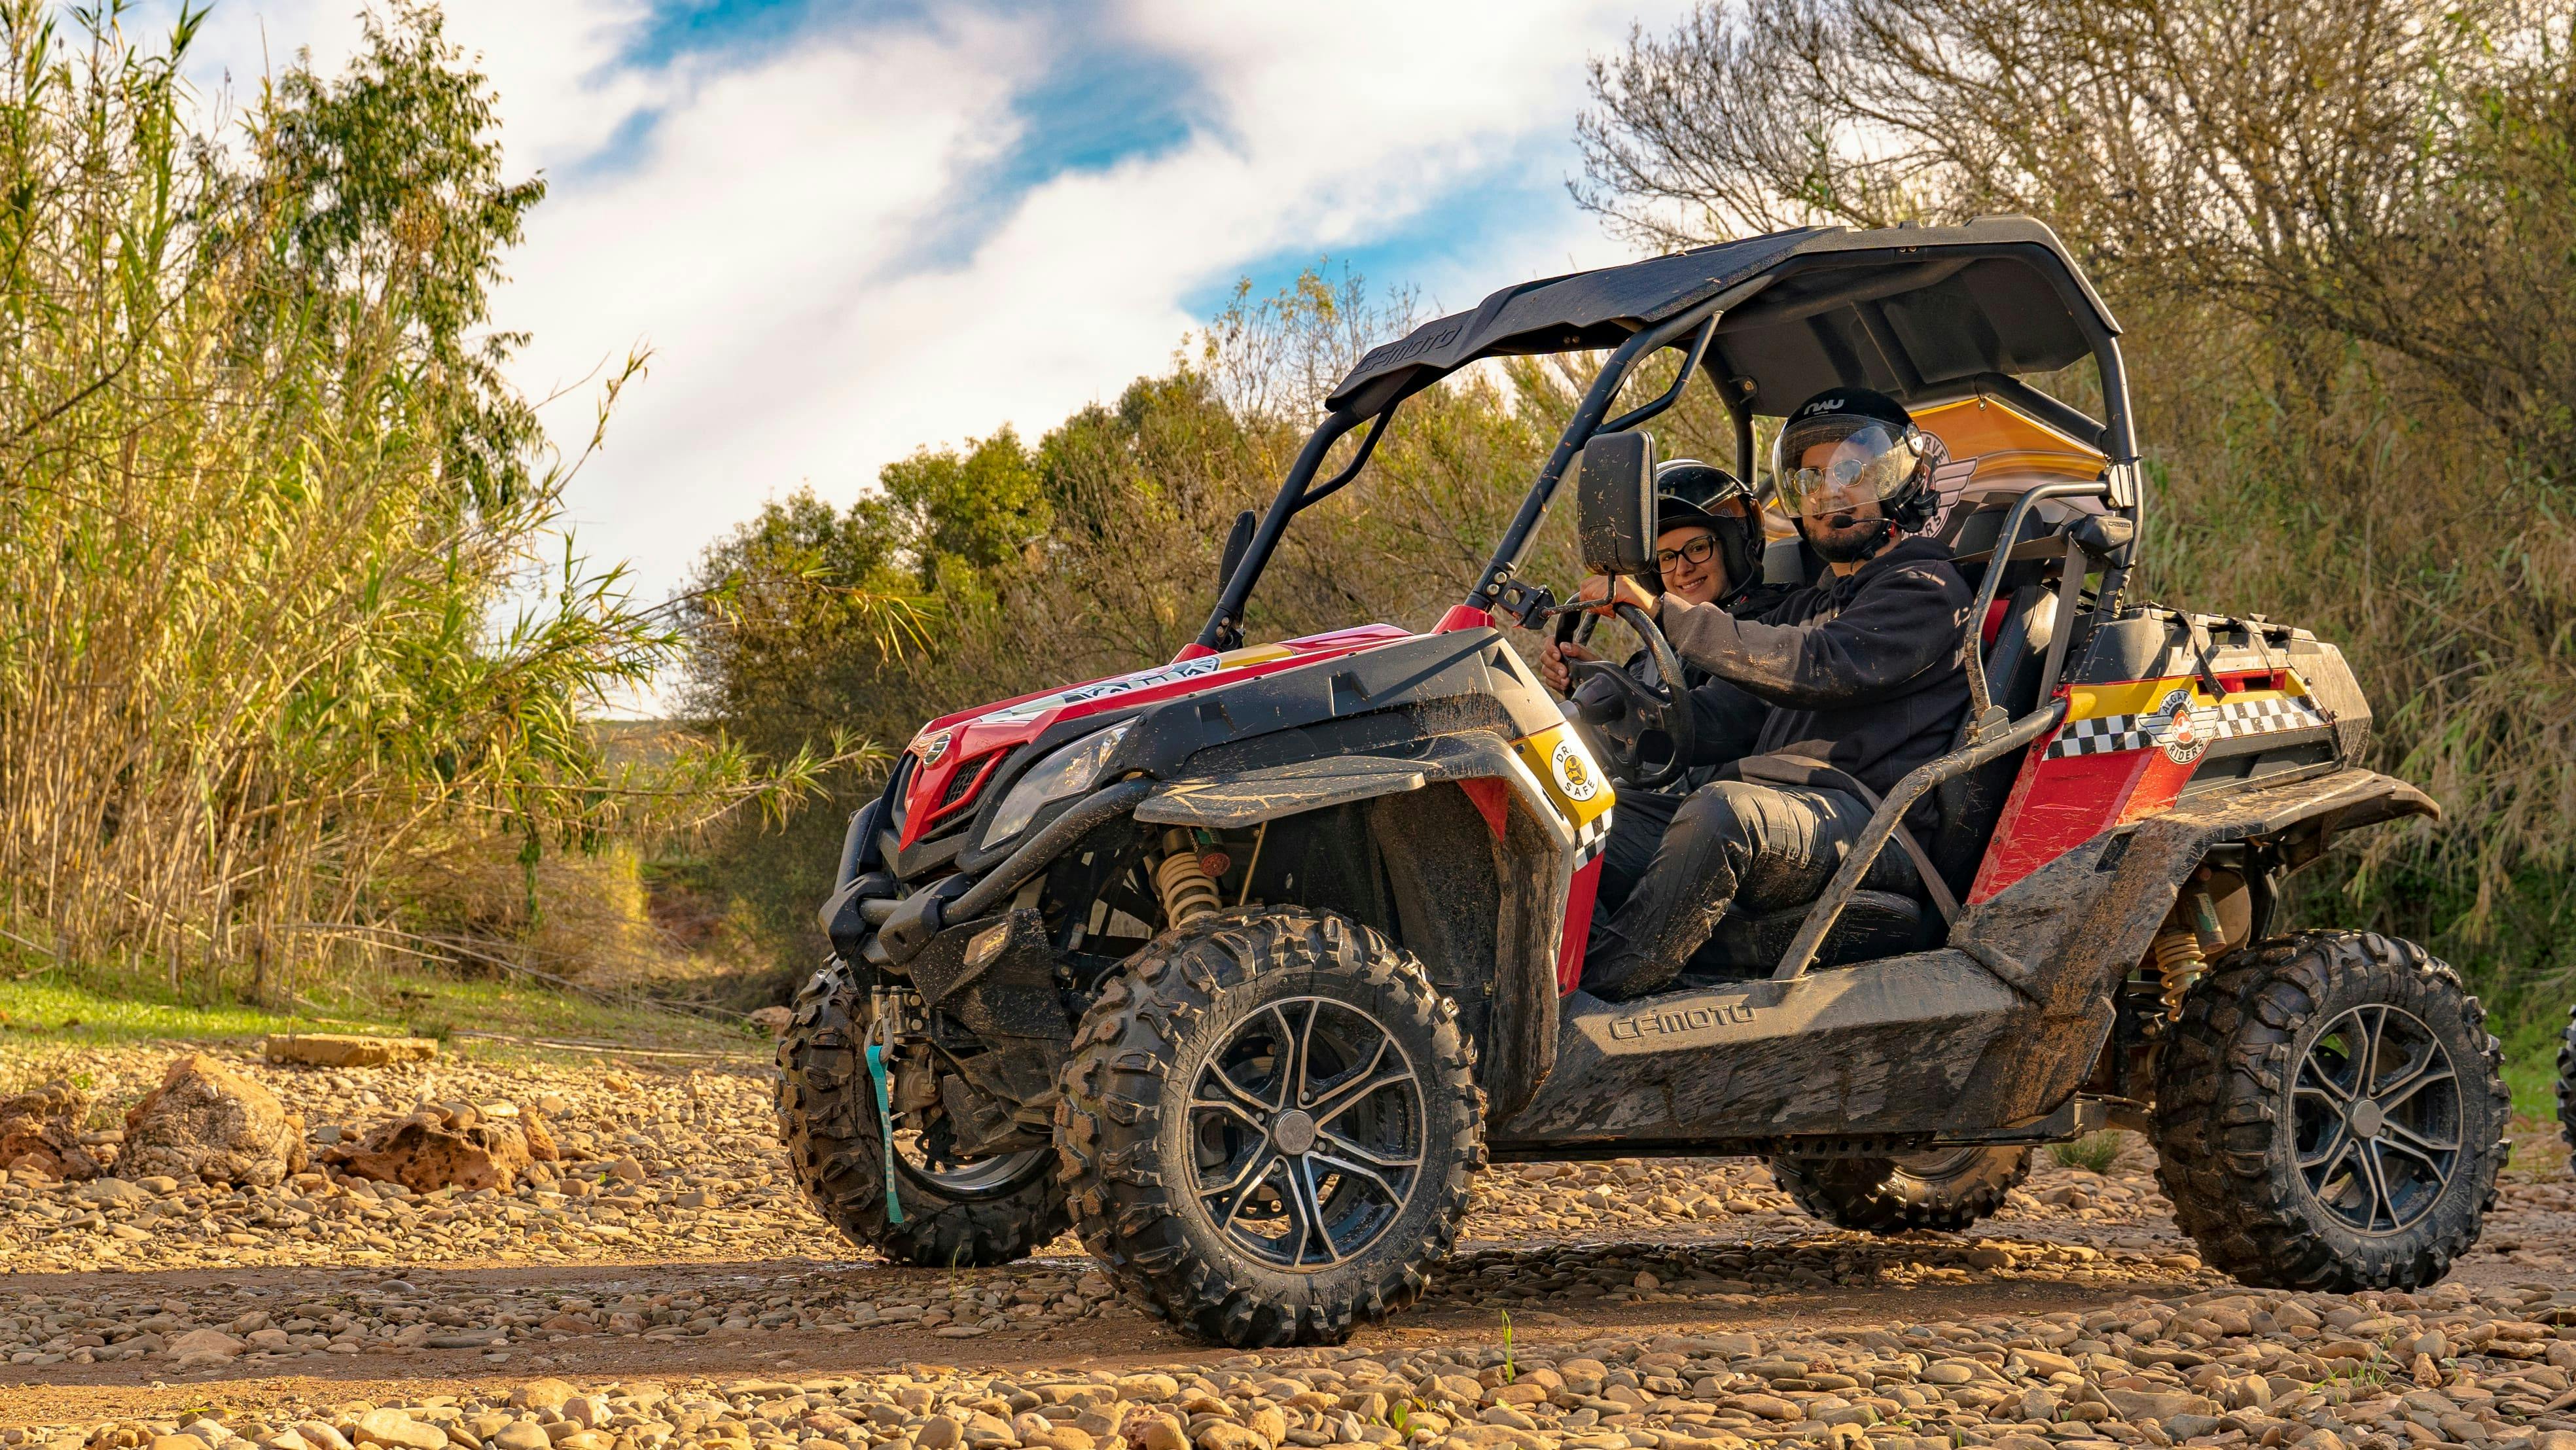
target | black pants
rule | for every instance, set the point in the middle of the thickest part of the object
(1673, 863)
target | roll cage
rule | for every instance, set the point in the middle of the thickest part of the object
(1924, 314)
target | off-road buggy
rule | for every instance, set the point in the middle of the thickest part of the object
(1245, 964)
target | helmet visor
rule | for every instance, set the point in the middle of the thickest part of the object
(1836, 464)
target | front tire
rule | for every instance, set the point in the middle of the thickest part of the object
(2330, 1114)
(1938, 1188)
(966, 1216)
(1268, 1127)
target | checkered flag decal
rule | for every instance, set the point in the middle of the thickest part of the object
(2101, 736)
(1591, 836)
(2233, 720)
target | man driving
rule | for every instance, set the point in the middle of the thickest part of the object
(1708, 550)
(1856, 679)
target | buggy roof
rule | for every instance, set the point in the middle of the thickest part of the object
(1919, 313)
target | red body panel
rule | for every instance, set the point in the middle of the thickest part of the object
(969, 739)
(1578, 926)
(2059, 804)
(1493, 800)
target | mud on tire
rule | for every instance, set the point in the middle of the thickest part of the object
(1939, 1188)
(2302, 1113)
(827, 1116)
(2567, 1088)
(1185, 1073)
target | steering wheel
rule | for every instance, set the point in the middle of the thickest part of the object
(1616, 727)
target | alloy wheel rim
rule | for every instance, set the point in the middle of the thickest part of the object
(2376, 1113)
(1930, 1164)
(1307, 1133)
(978, 1176)
(928, 1158)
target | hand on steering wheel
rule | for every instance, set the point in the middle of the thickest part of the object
(1615, 728)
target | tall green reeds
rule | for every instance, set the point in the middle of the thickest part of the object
(270, 520)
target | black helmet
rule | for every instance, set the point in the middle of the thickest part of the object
(1688, 491)
(1879, 457)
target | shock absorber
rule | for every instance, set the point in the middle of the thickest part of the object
(1187, 890)
(2182, 952)
(2178, 965)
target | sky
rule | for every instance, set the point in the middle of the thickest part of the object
(847, 231)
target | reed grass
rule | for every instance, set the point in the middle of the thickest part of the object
(287, 617)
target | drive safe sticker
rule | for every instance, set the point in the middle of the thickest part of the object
(1574, 774)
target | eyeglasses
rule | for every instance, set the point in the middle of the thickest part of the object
(1697, 551)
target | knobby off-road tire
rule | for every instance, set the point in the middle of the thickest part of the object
(1939, 1188)
(1182, 1079)
(2567, 1088)
(827, 1116)
(2303, 1106)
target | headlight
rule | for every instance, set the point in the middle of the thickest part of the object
(1069, 770)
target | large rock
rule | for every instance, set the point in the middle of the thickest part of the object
(204, 1344)
(209, 1123)
(439, 1148)
(394, 1430)
(342, 1049)
(40, 1133)
(2158, 1405)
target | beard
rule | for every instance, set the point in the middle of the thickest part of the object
(1847, 543)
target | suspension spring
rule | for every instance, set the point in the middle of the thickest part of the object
(1187, 890)
(2179, 963)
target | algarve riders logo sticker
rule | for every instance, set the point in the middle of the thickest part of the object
(2178, 729)
(1573, 772)
(932, 745)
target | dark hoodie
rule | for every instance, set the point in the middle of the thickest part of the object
(1861, 672)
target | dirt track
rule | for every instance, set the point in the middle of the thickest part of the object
(1608, 1254)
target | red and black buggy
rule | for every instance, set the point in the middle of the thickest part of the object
(1242, 965)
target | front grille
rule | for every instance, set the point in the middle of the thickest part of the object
(962, 786)
(963, 783)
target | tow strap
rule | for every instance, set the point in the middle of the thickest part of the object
(885, 1126)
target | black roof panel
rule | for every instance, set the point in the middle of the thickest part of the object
(1912, 311)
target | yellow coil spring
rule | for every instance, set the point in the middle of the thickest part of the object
(1187, 890)
(2179, 963)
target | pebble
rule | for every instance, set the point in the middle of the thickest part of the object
(2172, 1354)
(2067, 1380)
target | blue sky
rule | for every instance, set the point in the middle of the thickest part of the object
(845, 231)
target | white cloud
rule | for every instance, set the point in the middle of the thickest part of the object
(766, 240)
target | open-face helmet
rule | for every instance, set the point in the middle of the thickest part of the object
(1876, 456)
(1688, 491)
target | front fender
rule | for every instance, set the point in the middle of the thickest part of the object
(1233, 799)
(1534, 854)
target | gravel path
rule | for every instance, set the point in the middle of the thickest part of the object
(679, 1294)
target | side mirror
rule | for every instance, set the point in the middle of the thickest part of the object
(1238, 542)
(1614, 503)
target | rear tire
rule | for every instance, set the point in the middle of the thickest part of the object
(2567, 1088)
(1939, 1188)
(2330, 1114)
(1185, 1133)
(827, 1116)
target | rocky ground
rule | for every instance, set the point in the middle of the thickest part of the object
(667, 1287)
